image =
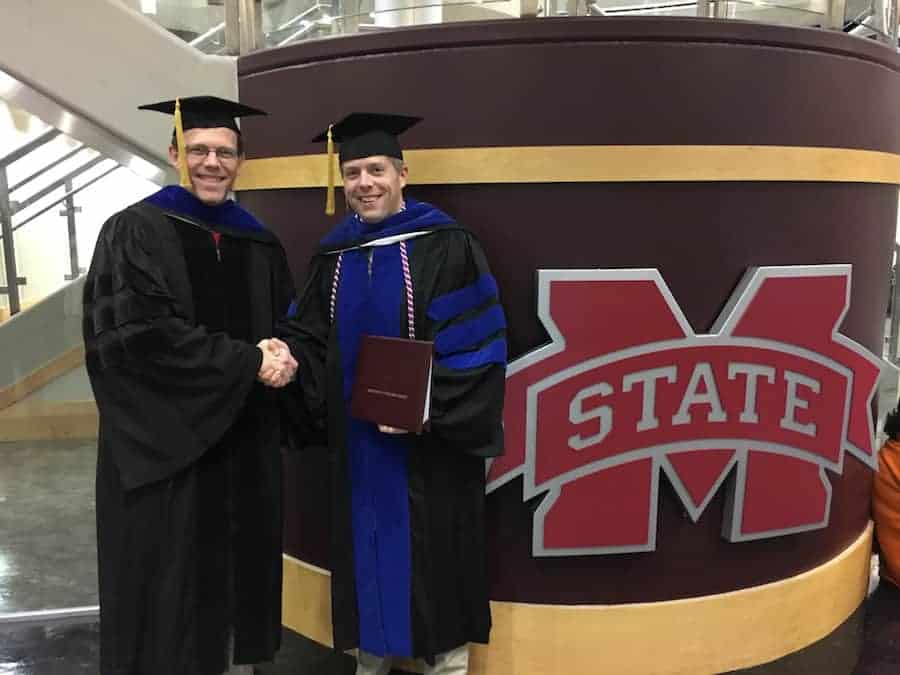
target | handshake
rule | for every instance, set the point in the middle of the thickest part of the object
(278, 365)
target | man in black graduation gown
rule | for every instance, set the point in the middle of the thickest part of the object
(183, 290)
(408, 561)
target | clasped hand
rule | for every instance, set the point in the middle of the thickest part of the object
(278, 366)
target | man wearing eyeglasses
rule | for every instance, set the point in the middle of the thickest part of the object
(213, 159)
(183, 293)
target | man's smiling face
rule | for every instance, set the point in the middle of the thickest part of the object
(374, 186)
(212, 172)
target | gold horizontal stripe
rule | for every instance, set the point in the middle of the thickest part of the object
(710, 634)
(600, 164)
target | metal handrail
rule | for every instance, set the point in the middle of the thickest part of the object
(33, 144)
(301, 16)
(200, 39)
(8, 208)
(832, 18)
(670, 5)
(641, 8)
(864, 14)
(862, 28)
(328, 20)
(426, 5)
(49, 166)
(243, 33)
(307, 27)
(71, 193)
(774, 5)
(55, 185)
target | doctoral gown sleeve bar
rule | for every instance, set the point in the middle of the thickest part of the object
(466, 321)
(168, 388)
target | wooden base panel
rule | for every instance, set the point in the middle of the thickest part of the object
(711, 634)
(49, 420)
(57, 367)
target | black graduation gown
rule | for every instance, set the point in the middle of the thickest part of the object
(449, 603)
(189, 467)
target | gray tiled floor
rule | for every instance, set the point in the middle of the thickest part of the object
(47, 528)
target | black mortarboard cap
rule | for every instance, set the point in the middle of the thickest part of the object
(368, 134)
(362, 135)
(206, 112)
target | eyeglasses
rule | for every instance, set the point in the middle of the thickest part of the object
(202, 151)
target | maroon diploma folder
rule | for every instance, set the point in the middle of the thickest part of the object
(393, 382)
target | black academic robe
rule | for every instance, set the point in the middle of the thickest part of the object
(445, 468)
(189, 468)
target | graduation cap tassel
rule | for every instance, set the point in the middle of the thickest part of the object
(329, 197)
(183, 175)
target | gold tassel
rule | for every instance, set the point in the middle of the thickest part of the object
(329, 197)
(183, 175)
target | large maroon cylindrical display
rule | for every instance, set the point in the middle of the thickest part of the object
(628, 82)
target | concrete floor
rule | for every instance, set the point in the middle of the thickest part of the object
(47, 528)
(50, 650)
(48, 561)
(74, 650)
